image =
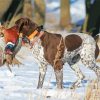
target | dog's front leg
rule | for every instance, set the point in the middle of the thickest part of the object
(59, 78)
(42, 72)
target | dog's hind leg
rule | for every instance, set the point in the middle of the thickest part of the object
(79, 74)
(88, 59)
(59, 78)
(42, 72)
(73, 62)
(87, 55)
(96, 69)
(92, 65)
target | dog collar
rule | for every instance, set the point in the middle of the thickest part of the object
(34, 33)
(36, 38)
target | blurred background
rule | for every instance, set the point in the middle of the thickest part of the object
(69, 15)
(60, 16)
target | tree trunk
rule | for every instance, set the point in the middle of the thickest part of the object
(39, 12)
(87, 7)
(4, 5)
(65, 18)
(28, 10)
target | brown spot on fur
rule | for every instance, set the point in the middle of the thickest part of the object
(72, 42)
(50, 43)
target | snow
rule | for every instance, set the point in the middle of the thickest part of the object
(22, 82)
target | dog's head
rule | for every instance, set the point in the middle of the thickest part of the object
(25, 25)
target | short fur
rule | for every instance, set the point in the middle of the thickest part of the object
(75, 47)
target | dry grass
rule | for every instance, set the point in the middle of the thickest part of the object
(93, 91)
(98, 60)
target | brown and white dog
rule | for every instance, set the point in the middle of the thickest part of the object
(56, 50)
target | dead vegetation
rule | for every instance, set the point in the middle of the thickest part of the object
(93, 91)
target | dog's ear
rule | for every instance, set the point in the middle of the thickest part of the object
(19, 21)
(22, 22)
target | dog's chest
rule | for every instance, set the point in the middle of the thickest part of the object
(38, 53)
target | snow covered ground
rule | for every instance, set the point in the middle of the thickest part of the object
(22, 83)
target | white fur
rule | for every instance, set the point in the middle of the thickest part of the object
(86, 52)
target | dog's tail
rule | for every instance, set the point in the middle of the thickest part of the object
(97, 39)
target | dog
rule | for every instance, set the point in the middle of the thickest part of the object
(56, 50)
